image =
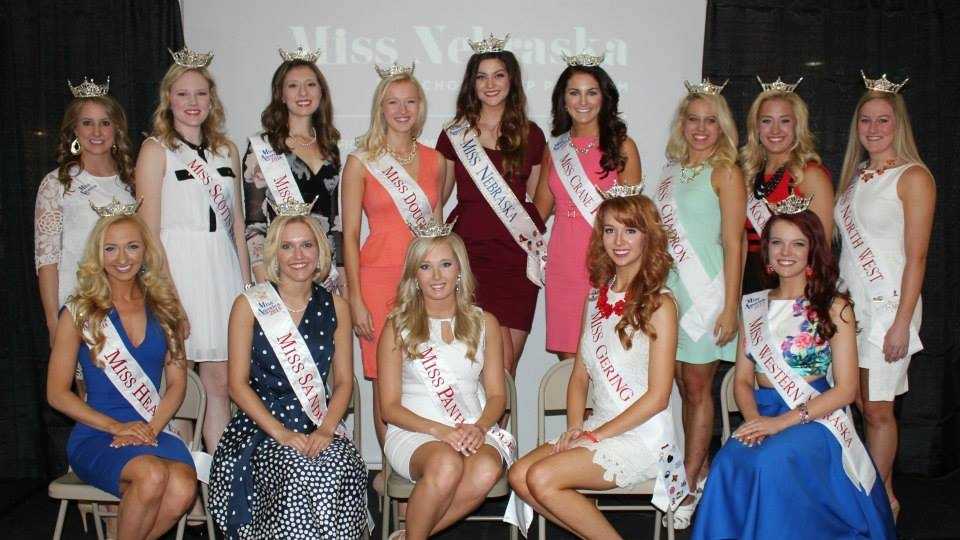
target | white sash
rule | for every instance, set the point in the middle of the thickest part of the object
(706, 293)
(758, 213)
(409, 198)
(874, 274)
(508, 208)
(574, 178)
(213, 183)
(442, 388)
(291, 351)
(794, 390)
(276, 171)
(657, 432)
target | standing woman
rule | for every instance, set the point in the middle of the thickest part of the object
(701, 199)
(395, 181)
(493, 155)
(885, 214)
(95, 166)
(296, 157)
(187, 177)
(779, 160)
(589, 151)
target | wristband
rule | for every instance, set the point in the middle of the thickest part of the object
(804, 413)
(590, 436)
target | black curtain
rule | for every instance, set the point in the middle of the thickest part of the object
(44, 43)
(828, 43)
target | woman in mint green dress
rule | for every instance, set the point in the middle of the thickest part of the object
(701, 197)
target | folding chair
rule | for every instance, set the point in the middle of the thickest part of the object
(728, 404)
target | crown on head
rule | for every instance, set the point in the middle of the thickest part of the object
(622, 190)
(432, 228)
(305, 55)
(778, 85)
(116, 208)
(488, 45)
(88, 88)
(293, 208)
(793, 204)
(882, 84)
(583, 59)
(394, 70)
(191, 59)
(706, 87)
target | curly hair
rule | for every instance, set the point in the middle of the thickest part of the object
(724, 152)
(91, 301)
(613, 130)
(121, 152)
(821, 289)
(212, 128)
(275, 117)
(644, 293)
(409, 317)
(753, 155)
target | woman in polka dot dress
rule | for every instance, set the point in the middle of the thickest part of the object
(284, 468)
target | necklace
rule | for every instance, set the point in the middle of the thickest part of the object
(762, 188)
(687, 177)
(605, 308)
(585, 149)
(313, 138)
(404, 159)
(292, 310)
(868, 174)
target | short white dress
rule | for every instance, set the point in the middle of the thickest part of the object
(880, 212)
(203, 259)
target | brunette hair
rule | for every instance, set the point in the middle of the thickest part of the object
(122, 154)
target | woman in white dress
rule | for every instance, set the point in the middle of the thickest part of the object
(187, 176)
(436, 334)
(627, 357)
(884, 213)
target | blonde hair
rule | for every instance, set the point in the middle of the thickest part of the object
(409, 316)
(272, 244)
(374, 141)
(92, 300)
(724, 152)
(753, 155)
(212, 128)
(904, 144)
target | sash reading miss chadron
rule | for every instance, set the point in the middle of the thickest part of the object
(291, 351)
(500, 197)
(215, 185)
(794, 390)
(407, 195)
(276, 172)
(442, 388)
(574, 178)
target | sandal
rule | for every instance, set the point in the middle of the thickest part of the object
(683, 515)
(398, 535)
(895, 509)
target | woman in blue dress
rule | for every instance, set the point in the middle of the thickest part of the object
(123, 326)
(795, 468)
(284, 467)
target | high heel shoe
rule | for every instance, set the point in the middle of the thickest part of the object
(683, 515)
(895, 509)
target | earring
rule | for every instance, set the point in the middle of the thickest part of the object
(417, 283)
(142, 270)
(808, 271)
(457, 286)
(769, 269)
(75, 147)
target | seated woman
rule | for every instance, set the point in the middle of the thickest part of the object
(123, 326)
(795, 468)
(284, 467)
(627, 357)
(441, 379)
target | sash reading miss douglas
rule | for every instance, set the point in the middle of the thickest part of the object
(214, 184)
(574, 178)
(407, 196)
(276, 171)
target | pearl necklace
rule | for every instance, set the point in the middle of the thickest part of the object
(313, 139)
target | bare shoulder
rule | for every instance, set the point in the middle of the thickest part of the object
(241, 308)
(629, 147)
(151, 148)
(668, 306)
(490, 322)
(917, 175)
(841, 310)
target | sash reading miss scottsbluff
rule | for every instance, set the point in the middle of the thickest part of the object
(794, 390)
(276, 172)
(657, 432)
(213, 182)
(291, 351)
(407, 195)
(501, 199)
(874, 274)
(707, 294)
(574, 178)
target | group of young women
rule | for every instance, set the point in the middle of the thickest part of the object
(643, 291)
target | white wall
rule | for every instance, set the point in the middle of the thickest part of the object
(651, 47)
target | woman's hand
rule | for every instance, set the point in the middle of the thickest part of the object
(452, 436)
(895, 341)
(134, 432)
(565, 442)
(755, 431)
(726, 326)
(362, 321)
(317, 442)
(292, 439)
(472, 436)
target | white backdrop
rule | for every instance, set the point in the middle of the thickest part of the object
(651, 47)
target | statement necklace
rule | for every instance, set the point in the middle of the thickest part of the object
(313, 139)
(689, 174)
(763, 188)
(586, 148)
(404, 159)
(605, 308)
(868, 174)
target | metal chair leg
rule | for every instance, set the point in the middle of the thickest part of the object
(97, 521)
(61, 515)
(385, 516)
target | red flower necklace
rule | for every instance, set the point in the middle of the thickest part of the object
(605, 308)
(866, 174)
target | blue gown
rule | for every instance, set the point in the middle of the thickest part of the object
(88, 449)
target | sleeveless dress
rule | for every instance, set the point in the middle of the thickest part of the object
(567, 280)
(498, 263)
(203, 260)
(880, 212)
(400, 444)
(260, 489)
(385, 249)
(88, 449)
(793, 485)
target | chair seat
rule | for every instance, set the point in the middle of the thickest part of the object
(399, 487)
(645, 488)
(69, 486)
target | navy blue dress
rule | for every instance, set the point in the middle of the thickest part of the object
(88, 449)
(260, 489)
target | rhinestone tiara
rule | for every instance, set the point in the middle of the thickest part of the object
(882, 84)
(88, 88)
(432, 228)
(583, 59)
(191, 59)
(293, 208)
(116, 208)
(394, 70)
(302, 54)
(622, 190)
(778, 85)
(791, 205)
(706, 87)
(489, 45)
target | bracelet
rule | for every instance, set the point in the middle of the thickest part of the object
(804, 413)
(590, 436)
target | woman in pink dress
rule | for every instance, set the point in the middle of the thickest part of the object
(586, 126)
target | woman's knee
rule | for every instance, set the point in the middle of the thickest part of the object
(181, 488)
(541, 479)
(517, 476)
(443, 471)
(483, 473)
(879, 413)
(149, 477)
(697, 386)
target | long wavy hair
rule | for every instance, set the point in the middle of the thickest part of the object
(91, 301)
(644, 292)
(753, 156)
(122, 153)
(409, 316)
(903, 142)
(374, 141)
(514, 124)
(272, 244)
(613, 130)
(212, 129)
(725, 151)
(276, 116)
(821, 289)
